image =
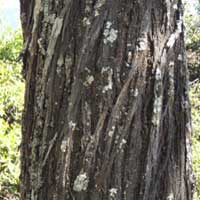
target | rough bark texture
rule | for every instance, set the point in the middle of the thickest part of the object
(107, 114)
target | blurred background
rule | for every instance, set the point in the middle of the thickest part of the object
(10, 16)
(12, 92)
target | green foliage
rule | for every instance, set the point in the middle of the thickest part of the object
(10, 45)
(11, 103)
(192, 23)
(195, 103)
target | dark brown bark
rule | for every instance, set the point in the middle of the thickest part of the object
(107, 114)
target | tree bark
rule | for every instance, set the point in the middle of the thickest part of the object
(106, 113)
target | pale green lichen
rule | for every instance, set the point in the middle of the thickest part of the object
(111, 132)
(122, 143)
(158, 74)
(175, 7)
(60, 63)
(46, 8)
(72, 125)
(110, 82)
(105, 69)
(171, 40)
(157, 107)
(143, 43)
(96, 13)
(171, 63)
(179, 24)
(63, 146)
(110, 34)
(170, 197)
(89, 80)
(180, 57)
(41, 46)
(81, 183)
(112, 193)
(189, 127)
(171, 80)
(86, 21)
(99, 4)
(136, 92)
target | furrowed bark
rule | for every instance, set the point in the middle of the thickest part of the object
(107, 114)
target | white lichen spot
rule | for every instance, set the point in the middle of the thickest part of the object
(89, 80)
(111, 132)
(157, 105)
(112, 193)
(170, 197)
(171, 81)
(186, 105)
(122, 143)
(105, 69)
(171, 63)
(87, 70)
(175, 7)
(63, 146)
(143, 43)
(157, 110)
(175, 35)
(99, 4)
(58, 70)
(136, 92)
(110, 82)
(189, 127)
(52, 18)
(60, 61)
(168, 5)
(171, 40)
(179, 25)
(96, 13)
(81, 183)
(108, 25)
(68, 61)
(41, 46)
(180, 57)
(158, 74)
(110, 34)
(87, 8)
(72, 125)
(86, 21)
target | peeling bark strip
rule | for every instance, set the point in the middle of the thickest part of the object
(106, 114)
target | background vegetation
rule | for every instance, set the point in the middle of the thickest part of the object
(11, 103)
(192, 24)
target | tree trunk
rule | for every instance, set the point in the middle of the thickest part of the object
(106, 114)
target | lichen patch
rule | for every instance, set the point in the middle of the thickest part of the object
(112, 193)
(72, 125)
(180, 57)
(81, 183)
(89, 80)
(63, 146)
(110, 82)
(110, 34)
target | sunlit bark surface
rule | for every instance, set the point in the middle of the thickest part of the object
(107, 115)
